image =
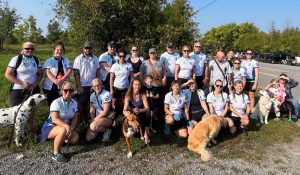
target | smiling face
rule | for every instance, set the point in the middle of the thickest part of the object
(197, 47)
(136, 85)
(28, 49)
(96, 85)
(218, 86)
(238, 87)
(134, 51)
(175, 88)
(186, 51)
(58, 51)
(67, 91)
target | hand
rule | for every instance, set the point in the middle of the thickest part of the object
(150, 94)
(69, 131)
(254, 86)
(25, 85)
(59, 81)
(32, 86)
(136, 110)
(205, 81)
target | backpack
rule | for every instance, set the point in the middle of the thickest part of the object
(19, 61)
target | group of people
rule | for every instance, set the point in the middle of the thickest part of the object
(118, 83)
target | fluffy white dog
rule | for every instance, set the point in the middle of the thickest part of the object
(7, 115)
(263, 107)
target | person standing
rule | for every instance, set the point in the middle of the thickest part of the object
(135, 60)
(57, 70)
(201, 65)
(86, 68)
(230, 57)
(24, 71)
(220, 70)
(252, 77)
(168, 60)
(106, 60)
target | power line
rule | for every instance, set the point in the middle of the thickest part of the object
(202, 8)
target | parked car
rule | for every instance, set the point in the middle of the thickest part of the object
(276, 57)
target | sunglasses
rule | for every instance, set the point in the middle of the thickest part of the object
(249, 53)
(29, 48)
(220, 86)
(88, 48)
(68, 90)
(236, 63)
(121, 56)
(197, 46)
(186, 50)
(96, 85)
(134, 50)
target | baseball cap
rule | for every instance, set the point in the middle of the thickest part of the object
(88, 45)
(152, 50)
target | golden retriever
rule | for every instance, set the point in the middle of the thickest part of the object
(204, 132)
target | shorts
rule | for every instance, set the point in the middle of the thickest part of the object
(52, 94)
(197, 115)
(199, 80)
(85, 97)
(181, 124)
(236, 121)
(106, 82)
(248, 87)
(119, 93)
(112, 115)
(46, 129)
(17, 96)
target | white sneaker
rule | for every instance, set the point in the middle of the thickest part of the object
(106, 135)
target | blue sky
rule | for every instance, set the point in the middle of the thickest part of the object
(260, 12)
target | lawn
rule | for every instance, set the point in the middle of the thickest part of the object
(250, 148)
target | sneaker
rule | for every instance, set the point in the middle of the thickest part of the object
(106, 135)
(290, 120)
(59, 157)
(277, 119)
(244, 131)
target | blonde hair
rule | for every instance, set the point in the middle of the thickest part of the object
(27, 44)
(68, 84)
(97, 80)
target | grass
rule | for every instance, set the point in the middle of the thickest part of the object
(251, 148)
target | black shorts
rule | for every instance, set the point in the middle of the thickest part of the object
(236, 121)
(17, 96)
(181, 124)
(197, 115)
(52, 94)
(85, 97)
(248, 87)
(119, 93)
(199, 80)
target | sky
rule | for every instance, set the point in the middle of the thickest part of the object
(211, 13)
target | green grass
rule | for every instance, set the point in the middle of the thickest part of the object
(251, 148)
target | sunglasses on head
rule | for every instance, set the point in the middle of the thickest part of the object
(217, 85)
(29, 48)
(68, 90)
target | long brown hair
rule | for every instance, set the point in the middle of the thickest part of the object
(130, 88)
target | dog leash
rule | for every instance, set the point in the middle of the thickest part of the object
(15, 117)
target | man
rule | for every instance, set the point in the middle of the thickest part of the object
(86, 68)
(201, 65)
(252, 75)
(168, 59)
(106, 60)
(220, 70)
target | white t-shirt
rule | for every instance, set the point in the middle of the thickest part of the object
(218, 102)
(249, 66)
(169, 60)
(186, 67)
(238, 74)
(175, 106)
(27, 70)
(103, 97)
(52, 65)
(216, 73)
(238, 103)
(87, 68)
(65, 112)
(200, 61)
(106, 58)
(122, 73)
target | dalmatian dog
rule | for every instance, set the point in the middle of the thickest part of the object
(7, 115)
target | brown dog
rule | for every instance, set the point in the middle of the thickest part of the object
(204, 132)
(130, 126)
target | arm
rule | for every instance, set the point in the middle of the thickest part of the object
(211, 108)
(204, 106)
(58, 122)
(126, 109)
(98, 73)
(232, 109)
(206, 76)
(167, 111)
(176, 71)
(229, 79)
(38, 79)
(225, 110)
(111, 83)
(186, 111)
(194, 73)
(146, 105)
(104, 113)
(292, 82)
(9, 74)
(77, 81)
(74, 121)
(256, 78)
(244, 81)
(105, 66)
(92, 112)
(131, 75)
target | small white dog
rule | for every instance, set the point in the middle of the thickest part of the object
(263, 107)
(7, 115)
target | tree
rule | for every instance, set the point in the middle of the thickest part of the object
(54, 31)
(28, 31)
(8, 21)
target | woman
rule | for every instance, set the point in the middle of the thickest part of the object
(100, 111)
(238, 72)
(61, 123)
(57, 70)
(177, 111)
(185, 67)
(119, 78)
(135, 60)
(239, 106)
(136, 102)
(218, 103)
(25, 73)
(196, 102)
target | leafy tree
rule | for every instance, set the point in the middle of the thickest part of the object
(28, 31)
(54, 31)
(8, 21)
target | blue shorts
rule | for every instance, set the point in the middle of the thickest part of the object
(45, 132)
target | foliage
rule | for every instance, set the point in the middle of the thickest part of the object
(8, 20)
(28, 31)
(146, 23)
(54, 31)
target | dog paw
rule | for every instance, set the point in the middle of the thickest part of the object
(266, 122)
(129, 155)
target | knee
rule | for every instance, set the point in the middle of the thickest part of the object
(62, 131)
(230, 122)
(183, 134)
(169, 120)
(93, 126)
